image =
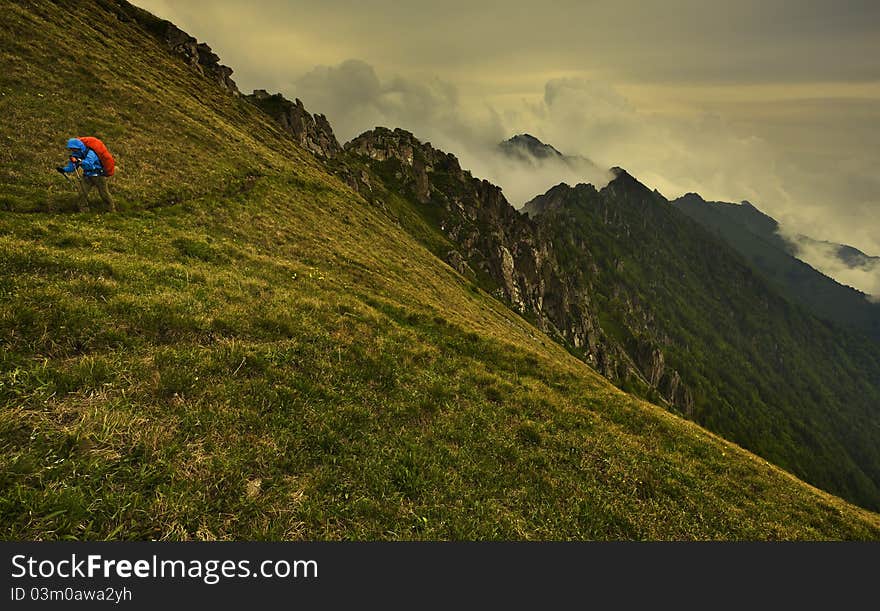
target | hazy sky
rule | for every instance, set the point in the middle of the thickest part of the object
(773, 101)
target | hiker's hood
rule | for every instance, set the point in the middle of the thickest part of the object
(76, 145)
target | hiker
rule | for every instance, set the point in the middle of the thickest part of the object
(84, 156)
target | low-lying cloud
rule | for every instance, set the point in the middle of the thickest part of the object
(579, 117)
(864, 276)
(522, 180)
(355, 99)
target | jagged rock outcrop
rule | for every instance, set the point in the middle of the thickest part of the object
(667, 381)
(527, 263)
(382, 144)
(458, 263)
(312, 132)
(197, 55)
(495, 241)
(200, 56)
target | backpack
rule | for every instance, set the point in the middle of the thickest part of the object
(107, 161)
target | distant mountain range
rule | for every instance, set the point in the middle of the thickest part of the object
(766, 228)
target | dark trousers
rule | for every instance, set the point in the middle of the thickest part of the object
(101, 183)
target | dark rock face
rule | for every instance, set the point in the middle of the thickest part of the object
(200, 56)
(458, 263)
(312, 132)
(666, 380)
(382, 144)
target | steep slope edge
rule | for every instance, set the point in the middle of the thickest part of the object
(508, 255)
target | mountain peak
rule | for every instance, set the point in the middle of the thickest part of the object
(624, 180)
(526, 145)
(692, 197)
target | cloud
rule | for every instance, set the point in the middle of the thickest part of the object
(829, 192)
(673, 154)
(681, 41)
(824, 257)
(676, 155)
(523, 179)
(356, 99)
(585, 118)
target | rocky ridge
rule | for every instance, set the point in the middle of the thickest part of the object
(543, 269)
(510, 250)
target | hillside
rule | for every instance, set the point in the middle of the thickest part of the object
(655, 303)
(754, 235)
(251, 350)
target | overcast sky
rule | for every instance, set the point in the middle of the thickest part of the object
(773, 101)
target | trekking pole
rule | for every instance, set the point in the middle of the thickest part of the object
(82, 188)
(80, 185)
(69, 180)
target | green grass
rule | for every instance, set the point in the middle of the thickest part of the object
(265, 356)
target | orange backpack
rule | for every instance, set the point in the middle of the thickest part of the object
(107, 161)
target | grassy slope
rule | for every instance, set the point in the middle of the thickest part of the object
(250, 351)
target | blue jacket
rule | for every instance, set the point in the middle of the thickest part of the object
(85, 159)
